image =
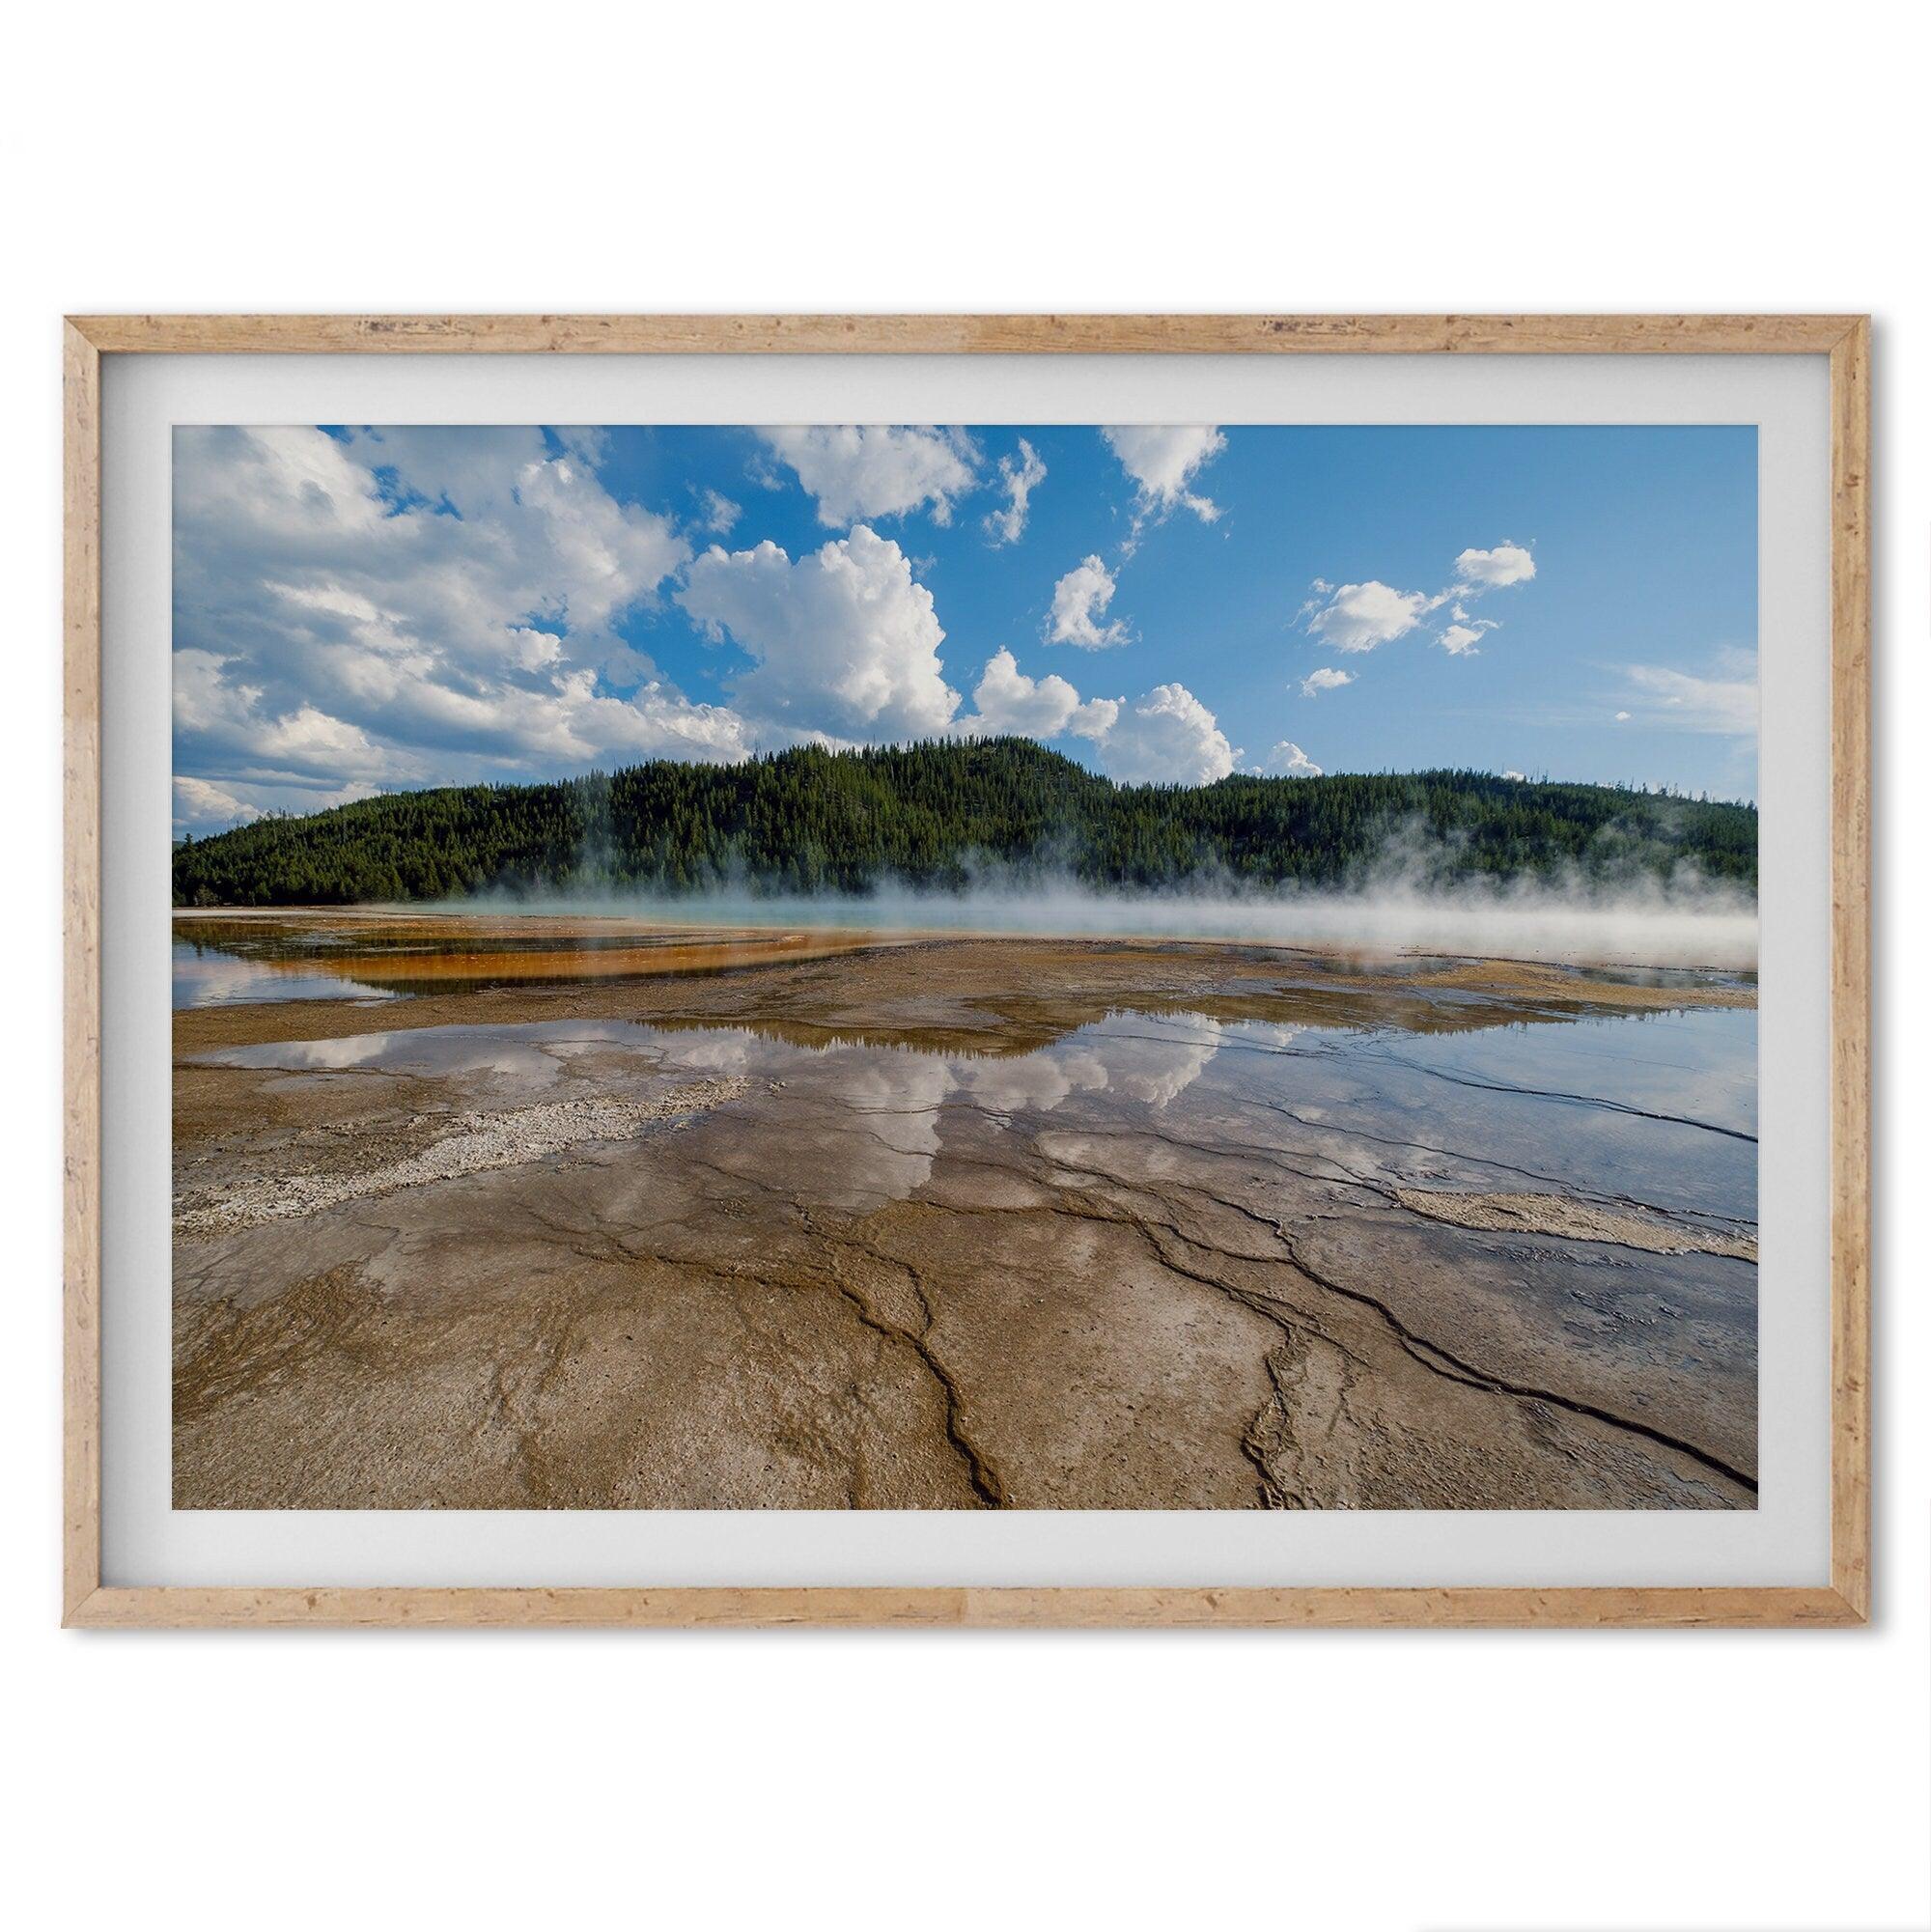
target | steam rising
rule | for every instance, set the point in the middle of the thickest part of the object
(1686, 923)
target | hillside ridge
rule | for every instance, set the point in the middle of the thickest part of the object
(943, 816)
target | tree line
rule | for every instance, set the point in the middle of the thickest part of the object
(940, 816)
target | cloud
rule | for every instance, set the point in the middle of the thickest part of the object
(860, 474)
(1327, 679)
(1162, 462)
(1080, 600)
(1459, 640)
(471, 471)
(1019, 479)
(1678, 700)
(1288, 761)
(1095, 718)
(405, 606)
(588, 444)
(1009, 702)
(1359, 616)
(358, 528)
(1166, 737)
(200, 804)
(432, 730)
(1622, 718)
(538, 527)
(1519, 777)
(844, 642)
(1494, 569)
(719, 514)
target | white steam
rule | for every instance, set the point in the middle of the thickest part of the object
(1684, 923)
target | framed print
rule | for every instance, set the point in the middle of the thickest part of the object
(968, 971)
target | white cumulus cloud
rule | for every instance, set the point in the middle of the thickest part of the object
(405, 606)
(1326, 679)
(1492, 570)
(1459, 640)
(1166, 737)
(1359, 616)
(1018, 477)
(859, 474)
(844, 642)
(198, 803)
(1287, 760)
(1163, 462)
(1009, 702)
(1080, 600)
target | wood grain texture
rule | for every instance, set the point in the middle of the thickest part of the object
(80, 1505)
(965, 335)
(1849, 967)
(1845, 1600)
(970, 1608)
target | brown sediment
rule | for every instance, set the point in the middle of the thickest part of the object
(384, 952)
(467, 1143)
(1572, 1220)
(411, 969)
(1601, 988)
(884, 1267)
(951, 992)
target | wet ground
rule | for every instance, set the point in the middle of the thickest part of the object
(561, 1213)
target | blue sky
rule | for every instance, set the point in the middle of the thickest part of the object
(359, 610)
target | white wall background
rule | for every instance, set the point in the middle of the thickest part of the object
(989, 156)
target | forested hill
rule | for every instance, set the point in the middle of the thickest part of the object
(942, 815)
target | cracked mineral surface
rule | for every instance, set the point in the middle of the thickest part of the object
(581, 1216)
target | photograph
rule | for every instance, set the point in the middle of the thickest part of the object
(1014, 967)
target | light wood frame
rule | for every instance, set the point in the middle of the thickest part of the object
(1844, 339)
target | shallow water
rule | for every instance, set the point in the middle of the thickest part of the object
(1133, 1226)
(206, 975)
(1655, 1108)
(229, 962)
